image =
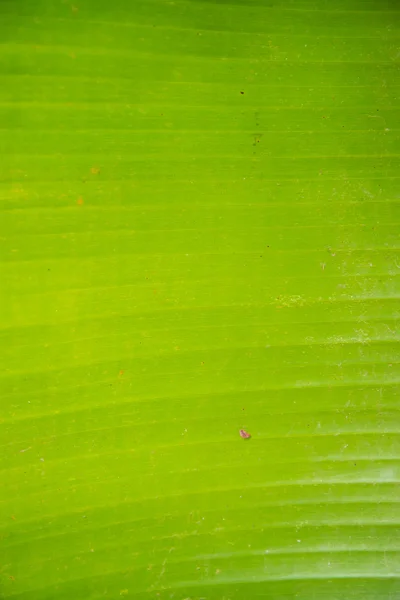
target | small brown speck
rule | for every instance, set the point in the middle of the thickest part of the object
(79, 201)
(242, 93)
(95, 170)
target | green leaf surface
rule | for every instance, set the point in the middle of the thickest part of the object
(199, 215)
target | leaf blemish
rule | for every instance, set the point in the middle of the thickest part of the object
(243, 434)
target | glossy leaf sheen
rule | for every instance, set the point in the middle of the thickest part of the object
(199, 237)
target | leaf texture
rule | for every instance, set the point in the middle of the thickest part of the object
(199, 235)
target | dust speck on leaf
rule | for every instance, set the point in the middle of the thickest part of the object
(244, 434)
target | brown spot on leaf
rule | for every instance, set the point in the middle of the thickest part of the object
(244, 434)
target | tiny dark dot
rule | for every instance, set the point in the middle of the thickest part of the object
(242, 93)
(355, 464)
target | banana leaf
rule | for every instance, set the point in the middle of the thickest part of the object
(199, 215)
